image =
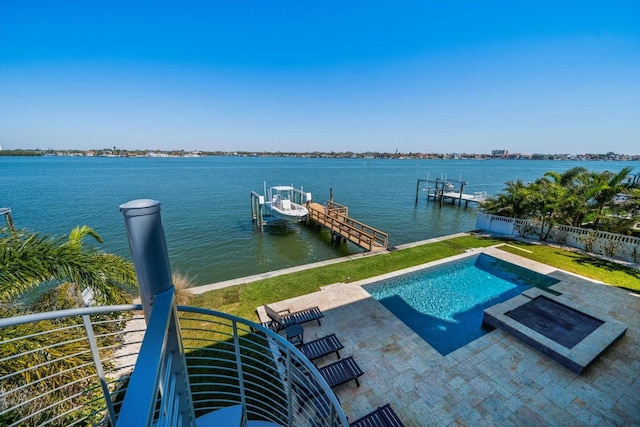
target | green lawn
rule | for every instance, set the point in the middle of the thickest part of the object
(584, 265)
(242, 300)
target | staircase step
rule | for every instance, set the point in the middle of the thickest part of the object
(229, 416)
(262, 424)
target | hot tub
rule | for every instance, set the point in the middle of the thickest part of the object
(552, 325)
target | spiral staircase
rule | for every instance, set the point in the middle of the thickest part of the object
(155, 364)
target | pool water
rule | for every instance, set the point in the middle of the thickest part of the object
(444, 304)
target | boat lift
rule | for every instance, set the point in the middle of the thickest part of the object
(333, 216)
(258, 202)
(444, 188)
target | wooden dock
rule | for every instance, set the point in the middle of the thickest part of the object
(335, 217)
(444, 189)
(460, 197)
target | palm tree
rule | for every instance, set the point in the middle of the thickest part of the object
(515, 201)
(572, 177)
(550, 195)
(608, 185)
(29, 260)
(63, 267)
(561, 196)
(567, 198)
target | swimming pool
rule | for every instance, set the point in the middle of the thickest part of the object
(444, 304)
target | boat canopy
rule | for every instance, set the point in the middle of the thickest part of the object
(282, 188)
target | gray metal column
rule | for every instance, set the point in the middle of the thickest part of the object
(148, 249)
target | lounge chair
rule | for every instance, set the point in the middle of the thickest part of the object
(335, 374)
(307, 390)
(381, 417)
(340, 372)
(280, 321)
(321, 347)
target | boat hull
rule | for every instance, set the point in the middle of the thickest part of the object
(297, 213)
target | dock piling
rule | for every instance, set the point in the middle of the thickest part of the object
(440, 193)
(335, 217)
(257, 203)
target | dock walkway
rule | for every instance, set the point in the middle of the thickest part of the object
(448, 189)
(336, 218)
(460, 197)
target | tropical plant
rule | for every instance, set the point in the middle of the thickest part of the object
(610, 247)
(608, 185)
(516, 201)
(549, 195)
(29, 260)
(47, 370)
(42, 273)
(572, 198)
(634, 252)
(588, 240)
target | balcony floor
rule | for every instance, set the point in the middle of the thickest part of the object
(495, 380)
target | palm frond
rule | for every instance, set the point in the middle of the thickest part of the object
(28, 260)
(78, 234)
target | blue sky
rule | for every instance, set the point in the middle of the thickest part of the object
(446, 76)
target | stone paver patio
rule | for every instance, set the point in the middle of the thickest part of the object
(494, 380)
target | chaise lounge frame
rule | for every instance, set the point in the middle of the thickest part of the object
(335, 374)
(283, 318)
(321, 347)
(340, 372)
(384, 416)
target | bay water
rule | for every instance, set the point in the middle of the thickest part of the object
(206, 207)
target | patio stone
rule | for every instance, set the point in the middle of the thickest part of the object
(495, 380)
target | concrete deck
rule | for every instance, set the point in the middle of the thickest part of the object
(494, 380)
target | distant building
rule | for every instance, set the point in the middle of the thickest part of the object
(499, 153)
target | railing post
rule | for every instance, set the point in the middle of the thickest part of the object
(148, 249)
(7, 215)
(151, 261)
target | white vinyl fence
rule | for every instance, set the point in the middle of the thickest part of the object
(598, 242)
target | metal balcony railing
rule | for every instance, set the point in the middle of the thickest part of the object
(76, 367)
(173, 366)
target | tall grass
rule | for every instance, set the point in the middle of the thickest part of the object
(182, 283)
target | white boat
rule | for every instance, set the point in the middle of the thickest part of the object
(281, 205)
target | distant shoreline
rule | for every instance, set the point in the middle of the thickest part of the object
(329, 155)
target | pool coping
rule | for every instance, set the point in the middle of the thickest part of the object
(493, 251)
(468, 253)
(577, 358)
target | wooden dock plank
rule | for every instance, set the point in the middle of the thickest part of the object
(356, 232)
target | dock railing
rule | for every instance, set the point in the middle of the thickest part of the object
(336, 209)
(334, 217)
